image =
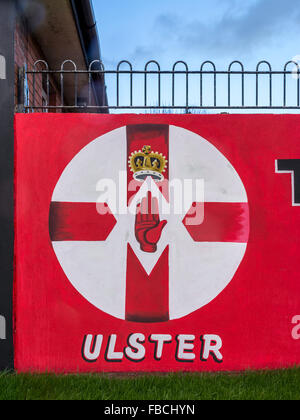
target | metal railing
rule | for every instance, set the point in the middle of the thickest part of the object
(154, 89)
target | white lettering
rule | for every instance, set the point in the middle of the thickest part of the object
(111, 354)
(296, 329)
(211, 345)
(92, 347)
(160, 340)
(138, 345)
(185, 346)
(135, 350)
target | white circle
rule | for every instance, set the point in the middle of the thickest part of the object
(198, 272)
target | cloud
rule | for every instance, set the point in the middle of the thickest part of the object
(239, 29)
(260, 24)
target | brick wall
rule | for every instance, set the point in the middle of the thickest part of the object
(27, 52)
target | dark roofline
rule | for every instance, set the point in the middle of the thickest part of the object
(87, 29)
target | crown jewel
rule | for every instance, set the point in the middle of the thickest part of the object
(146, 163)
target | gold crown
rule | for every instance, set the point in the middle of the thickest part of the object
(146, 163)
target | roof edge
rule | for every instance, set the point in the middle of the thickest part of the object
(87, 30)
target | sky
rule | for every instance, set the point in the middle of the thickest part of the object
(198, 30)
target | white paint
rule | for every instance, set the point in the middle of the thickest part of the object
(212, 344)
(136, 351)
(185, 347)
(2, 67)
(101, 159)
(92, 356)
(2, 328)
(191, 156)
(111, 354)
(160, 340)
(98, 270)
(201, 274)
(296, 329)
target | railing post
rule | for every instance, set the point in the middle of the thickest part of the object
(20, 107)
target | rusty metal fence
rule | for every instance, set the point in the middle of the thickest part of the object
(152, 89)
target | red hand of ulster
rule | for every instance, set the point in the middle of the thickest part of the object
(148, 227)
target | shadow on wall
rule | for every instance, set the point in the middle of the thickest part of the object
(34, 11)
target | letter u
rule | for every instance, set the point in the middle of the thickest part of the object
(91, 348)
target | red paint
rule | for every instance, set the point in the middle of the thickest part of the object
(80, 222)
(156, 136)
(223, 222)
(147, 297)
(148, 226)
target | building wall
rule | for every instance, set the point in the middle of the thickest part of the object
(27, 52)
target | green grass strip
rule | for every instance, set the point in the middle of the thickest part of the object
(267, 385)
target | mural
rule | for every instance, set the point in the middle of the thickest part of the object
(158, 240)
(135, 266)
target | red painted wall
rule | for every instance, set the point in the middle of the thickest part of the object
(248, 320)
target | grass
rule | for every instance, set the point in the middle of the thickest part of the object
(268, 385)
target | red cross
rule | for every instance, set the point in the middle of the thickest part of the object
(147, 297)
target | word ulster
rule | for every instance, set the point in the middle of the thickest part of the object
(137, 346)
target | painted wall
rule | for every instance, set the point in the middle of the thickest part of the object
(7, 24)
(157, 243)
